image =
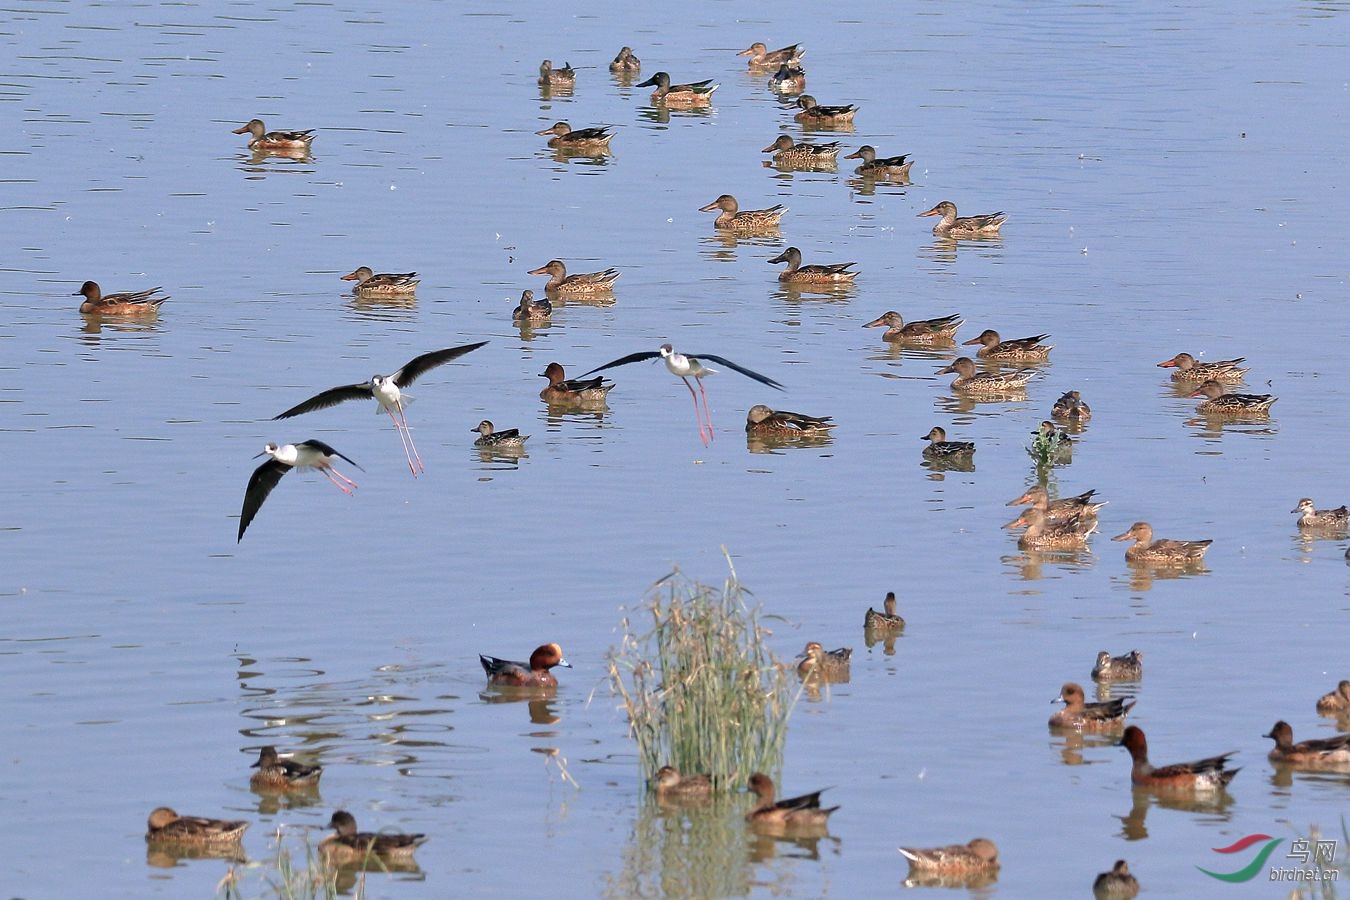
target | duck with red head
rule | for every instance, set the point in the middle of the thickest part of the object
(535, 673)
(1315, 753)
(1201, 776)
(794, 812)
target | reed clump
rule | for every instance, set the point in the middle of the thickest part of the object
(702, 690)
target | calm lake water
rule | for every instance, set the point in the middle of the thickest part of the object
(1175, 179)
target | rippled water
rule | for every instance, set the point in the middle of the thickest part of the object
(1175, 181)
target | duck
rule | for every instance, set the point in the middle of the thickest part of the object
(669, 782)
(127, 303)
(761, 57)
(1337, 702)
(1027, 349)
(1188, 368)
(969, 381)
(925, 331)
(1310, 517)
(275, 773)
(551, 77)
(262, 139)
(347, 844)
(889, 620)
(579, 283)
(941, 448)
(1162, 551)
(168, 827)
(733, 218)
(626, 62)
(803, 811)
(1078, 713)
(820, 273)
(1203, 775)
(385, 284)
(696, 93)
(489, 437)
(576, 391)
(1222, 403)
(812, 113)
(1129, 667)
(1332, 752)
(829, 664)
(980, 855)
(787, 152)
(1070, 406)
(789, 79)
(764, 421)
(1079, 506)
(892, 168)
(1041, 534)
(530, 309)
(1117, 884)
(590, 140)
(952, 225)
(535, 673)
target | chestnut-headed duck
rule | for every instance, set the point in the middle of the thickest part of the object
(829, 664)
(1337, 702)
(1129, 667)
(803, 811)
(1118, 884)
(1202, 775)
(1078, 713)
(168, 827)
(350, 845)
(1314, 753)
(278, 774)
(535, 673)
(884, 621)
(573, 392)
(127, 303)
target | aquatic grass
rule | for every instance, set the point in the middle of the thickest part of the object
(285, 877)
(1047, 448)
(702, 689)
(1328, 872)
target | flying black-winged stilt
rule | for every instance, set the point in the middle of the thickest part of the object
(310, 454)
(387, 391)
(686, 366)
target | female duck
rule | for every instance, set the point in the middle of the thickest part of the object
(1078, 713)
(980, 855)
(828, 664)
(385, 284)
(278, 774)
(262, 139)
(535, 673)
(1222, 403)
(889, 620)
(820, 273)
(952, 225)
(926, 331)
(572, 392)
(1202, 776)
(733, 218)
(1320, 753)
(814, 114)
(490, 438)
(1070, 407)
(1311, 517)
(1190, 370)
(1129, 667)
(972, 382)
(890, 168)
(349, 845)
(130, 303)
(1079, 506)
(1337, 702)
(1041, 534)
(766, 422)
(531, 310)
(993, 348)
(787, 153)
(582, 140)
(626, 62)
(761, 57)
(1162, 551)
(668, 782)
(551, 77)
(168, 827)
(579, 283)
(941, 448)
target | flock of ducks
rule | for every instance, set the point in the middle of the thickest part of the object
(1047, 523)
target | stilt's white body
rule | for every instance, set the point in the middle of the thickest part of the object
(684, 367)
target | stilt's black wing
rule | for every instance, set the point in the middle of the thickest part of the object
(623, 361)
(330, 397)
(260, 484)
(762, 379)
(418, 366)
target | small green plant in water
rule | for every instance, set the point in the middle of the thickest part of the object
(285, 878)
(703, 691)
(1049, 446)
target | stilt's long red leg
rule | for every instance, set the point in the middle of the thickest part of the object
(698, 416)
